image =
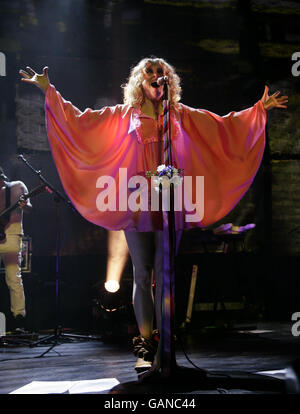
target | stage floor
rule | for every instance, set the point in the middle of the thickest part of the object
(229, 357)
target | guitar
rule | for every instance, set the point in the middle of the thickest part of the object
(4, 220)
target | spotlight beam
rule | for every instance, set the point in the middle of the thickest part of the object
(116, 259)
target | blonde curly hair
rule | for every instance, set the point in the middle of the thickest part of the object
(133, 91)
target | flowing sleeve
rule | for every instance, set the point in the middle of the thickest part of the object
(226, 151)
(85, 146)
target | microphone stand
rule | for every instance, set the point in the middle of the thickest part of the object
(166, 350)
(165, 367)
(57, 198)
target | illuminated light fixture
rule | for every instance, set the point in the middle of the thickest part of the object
(111, 301)
(117, 256)
(110, 296)
(112, 286)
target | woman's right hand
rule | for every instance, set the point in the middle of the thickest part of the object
(30, 76)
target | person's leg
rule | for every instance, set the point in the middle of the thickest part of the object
(141, 249)
(12, 262)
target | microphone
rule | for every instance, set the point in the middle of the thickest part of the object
(162, 80)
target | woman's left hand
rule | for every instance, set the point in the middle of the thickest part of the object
(273, 101)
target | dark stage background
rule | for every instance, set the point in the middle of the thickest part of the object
(225, 52)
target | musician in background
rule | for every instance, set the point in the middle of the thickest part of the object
(11, 243)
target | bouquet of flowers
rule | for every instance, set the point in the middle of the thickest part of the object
(166, 175)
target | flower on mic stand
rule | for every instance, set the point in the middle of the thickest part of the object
(165, 176)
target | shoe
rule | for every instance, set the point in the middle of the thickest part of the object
(19, 324)
(142, 365)
(145, 350)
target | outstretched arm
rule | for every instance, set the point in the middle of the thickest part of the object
(273, 101)
(41, 81)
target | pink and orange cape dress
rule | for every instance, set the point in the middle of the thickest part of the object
(226, 151)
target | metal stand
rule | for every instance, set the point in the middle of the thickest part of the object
(165, 366)
(58, 330)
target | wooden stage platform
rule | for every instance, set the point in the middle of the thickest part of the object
(230, 357)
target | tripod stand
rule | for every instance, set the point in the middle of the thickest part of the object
(58, 330)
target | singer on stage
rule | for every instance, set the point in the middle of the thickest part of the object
(225, 150)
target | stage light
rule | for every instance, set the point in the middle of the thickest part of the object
(110, 294)
(112, 286)
(112, 300)
(117, 255)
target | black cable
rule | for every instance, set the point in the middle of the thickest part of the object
(32, 357)
(194, 365)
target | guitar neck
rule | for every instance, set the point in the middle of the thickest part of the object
(9, 209)
(32, 193)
